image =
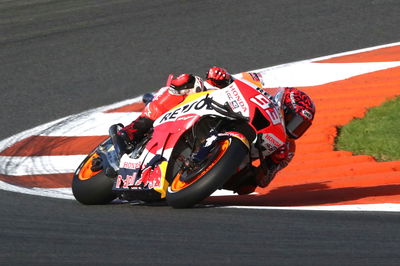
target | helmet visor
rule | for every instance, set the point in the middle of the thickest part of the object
(297, 125)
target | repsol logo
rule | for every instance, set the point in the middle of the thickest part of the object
(196, 105)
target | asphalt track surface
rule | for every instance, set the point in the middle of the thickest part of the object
(63, 57)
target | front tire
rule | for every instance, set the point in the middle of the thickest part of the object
(92, 188)
(213, 176)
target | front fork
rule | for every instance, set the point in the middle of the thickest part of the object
(206, 147)
(212, 139)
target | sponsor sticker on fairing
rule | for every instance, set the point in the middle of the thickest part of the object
(235, 99)
(197, 105)
(131, 165)
(126, 182)
(274, 115)
(271, 142)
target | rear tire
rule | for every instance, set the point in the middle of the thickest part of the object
(92, 188)
(185, 195)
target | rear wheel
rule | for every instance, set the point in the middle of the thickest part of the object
(92, 188)
(195, 182)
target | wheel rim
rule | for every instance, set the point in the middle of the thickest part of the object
(178, 184)
(86, 172)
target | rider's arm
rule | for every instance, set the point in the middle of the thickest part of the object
(163, 101)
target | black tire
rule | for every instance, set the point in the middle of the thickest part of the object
(213, 179)
(94, 189)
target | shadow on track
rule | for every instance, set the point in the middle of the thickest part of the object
(306, 195)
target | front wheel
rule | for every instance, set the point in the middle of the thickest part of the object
(92, 188)
(190, 186)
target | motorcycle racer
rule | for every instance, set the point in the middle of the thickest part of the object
(298, 112)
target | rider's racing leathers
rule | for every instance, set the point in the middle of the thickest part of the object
(171, 95)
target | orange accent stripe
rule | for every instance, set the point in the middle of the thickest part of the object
(42, 146)
(387, 54)
(42, 181)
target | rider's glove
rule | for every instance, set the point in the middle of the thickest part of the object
(280, 154)
(218, 77)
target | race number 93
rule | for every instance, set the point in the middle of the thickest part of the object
(264, 103)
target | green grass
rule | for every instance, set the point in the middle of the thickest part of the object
(377, 134)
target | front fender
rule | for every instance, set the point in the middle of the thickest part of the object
(237, 135)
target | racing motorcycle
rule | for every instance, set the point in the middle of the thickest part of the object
(202, 145)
